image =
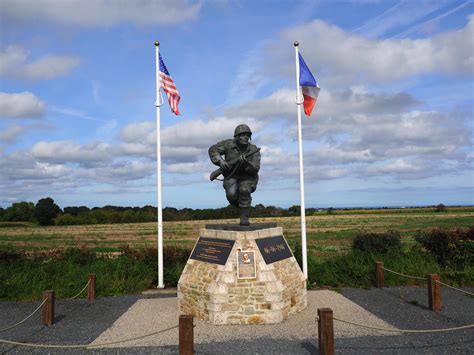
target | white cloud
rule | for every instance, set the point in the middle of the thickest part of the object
(137, 149)
(101, 13)
(183, 141)
(20, 105)
(15, 63)
(355, 130)
(203, 134)
(139, 132)
(11, 132)
(370, 125)
(49, 67)
(358, 59)
(70, 152)
(404, 169)
(40, 171)
(335, 154)
(11, 58)
(187, 168)
(179, 154)
(282, 103)
(365, 135)
(275, 156)
(120, 172)
(326, 172)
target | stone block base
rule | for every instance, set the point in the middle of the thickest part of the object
(215, 293)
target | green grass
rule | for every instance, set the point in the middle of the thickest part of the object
(330, 259)
(25, 279)
(357, 270)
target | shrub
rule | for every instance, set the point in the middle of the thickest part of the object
(8, 255)
(451, 247)
(174, 260)
(172, 255)
(377, 243)
(440, 208)
(66, 220)
(78, 256)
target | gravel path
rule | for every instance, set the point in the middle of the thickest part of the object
(156, 314)
(109, 318)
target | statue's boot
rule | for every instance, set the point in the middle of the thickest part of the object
(244, 216)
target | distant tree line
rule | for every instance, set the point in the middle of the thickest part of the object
(46, 212)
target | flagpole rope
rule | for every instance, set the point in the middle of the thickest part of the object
(24, 320)
(76, 346)
(161, 101)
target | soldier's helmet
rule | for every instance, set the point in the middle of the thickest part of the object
(242, 128)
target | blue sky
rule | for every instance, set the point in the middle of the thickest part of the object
(393, 124)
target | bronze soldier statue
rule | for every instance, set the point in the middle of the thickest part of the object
(239, 162)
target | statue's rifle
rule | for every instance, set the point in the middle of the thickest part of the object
(232, 162)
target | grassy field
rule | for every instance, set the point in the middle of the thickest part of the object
(327, 235)
(330, 261)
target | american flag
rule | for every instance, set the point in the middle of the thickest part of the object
(169, 87)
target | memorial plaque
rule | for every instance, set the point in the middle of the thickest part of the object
(246, 267)
(214, 251)
(273, 249)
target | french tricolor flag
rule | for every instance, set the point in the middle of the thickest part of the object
(309, 87)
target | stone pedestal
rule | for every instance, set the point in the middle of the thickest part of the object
(242, 275)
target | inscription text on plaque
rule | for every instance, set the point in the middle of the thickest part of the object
(273, 249)
(211, 250)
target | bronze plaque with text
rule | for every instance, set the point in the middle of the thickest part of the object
(211, 250)
(273, 249)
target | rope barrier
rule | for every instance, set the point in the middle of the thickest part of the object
(39, 307)
(17, 324)
(81, 291)
(422, 278)
(454, 288)
(406, 330)
(84, 345)
(397, 273)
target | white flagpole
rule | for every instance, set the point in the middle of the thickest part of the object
(300, 155)
(158, 170)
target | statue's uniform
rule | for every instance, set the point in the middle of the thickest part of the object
(240, 181)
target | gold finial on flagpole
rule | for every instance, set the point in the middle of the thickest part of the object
(157, 43)
(296, 44)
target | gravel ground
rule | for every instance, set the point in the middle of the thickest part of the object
(80, 321)
(407, 308)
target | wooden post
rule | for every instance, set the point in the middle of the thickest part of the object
(186, 335)
(434, 292)
(325, 331)
(91, 288)
(379, 274)
(48, 308)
